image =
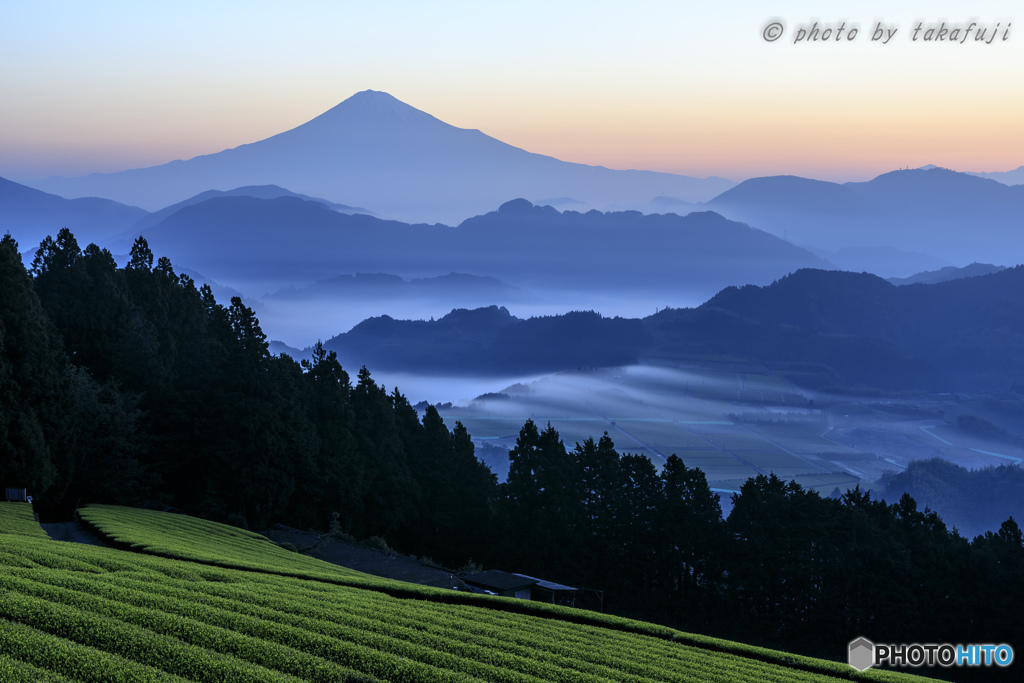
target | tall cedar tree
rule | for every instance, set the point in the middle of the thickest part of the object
(64, 436)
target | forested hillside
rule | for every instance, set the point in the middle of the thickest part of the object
(130, 386)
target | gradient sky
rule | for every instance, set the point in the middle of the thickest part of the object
(675, 86)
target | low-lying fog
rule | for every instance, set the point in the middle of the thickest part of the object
(733, 422)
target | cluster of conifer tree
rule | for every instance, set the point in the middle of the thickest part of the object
(971, 500)
(787, 568)
(132, 386)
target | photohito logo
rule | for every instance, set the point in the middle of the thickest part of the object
(864, 654)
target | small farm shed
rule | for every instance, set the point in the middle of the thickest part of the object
(520, 586)
(500, 583)
(549, 591)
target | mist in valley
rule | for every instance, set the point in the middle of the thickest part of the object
(732, 418)
(735, 421)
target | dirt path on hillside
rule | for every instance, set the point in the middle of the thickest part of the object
(74, 532)
(363, 559)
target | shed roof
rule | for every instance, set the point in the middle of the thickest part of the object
(549, 585)
(495, 579)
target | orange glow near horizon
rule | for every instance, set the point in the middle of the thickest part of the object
(857, 144)
(731, 139)
(659, 86)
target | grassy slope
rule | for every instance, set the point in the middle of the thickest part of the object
(17, 518)
(87, 613)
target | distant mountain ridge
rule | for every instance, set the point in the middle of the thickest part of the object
(482, 340)
(948, 273)
(827, 330)
(254, 191)
(287, 240)
(949, 215)
(30, 215)
(971, 328)
(492, 342)
(380, 152)
(1014, 177)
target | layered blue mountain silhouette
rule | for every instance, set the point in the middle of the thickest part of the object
(264, 244)
(378, 152)
(897, 224)
(822, 329)
(931, 277)
(1014, 177)
(30, 215)
(956, 217)
(257, 191)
